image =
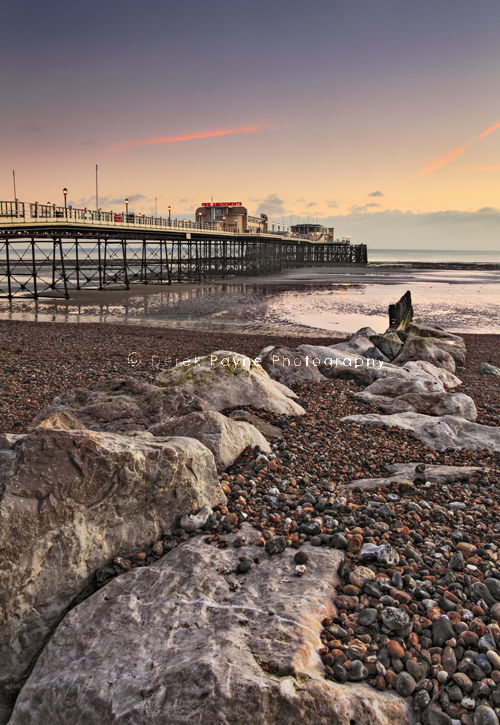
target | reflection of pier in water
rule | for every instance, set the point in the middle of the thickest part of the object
(52, 262)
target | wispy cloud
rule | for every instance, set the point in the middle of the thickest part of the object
(453, 154)
(188, 137)
(376, 193)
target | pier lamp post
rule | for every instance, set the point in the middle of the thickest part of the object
(65, 192)
(169, 216)
(126, 210)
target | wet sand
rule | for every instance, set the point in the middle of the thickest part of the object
(306, 301)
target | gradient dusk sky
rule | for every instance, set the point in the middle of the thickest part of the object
(381, 117)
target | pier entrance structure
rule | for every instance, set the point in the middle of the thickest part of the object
(50, 251)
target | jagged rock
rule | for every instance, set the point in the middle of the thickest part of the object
(73, 500)
(393, 387)
(363, 332)
(185, 641)
(438, 432)
(488, 369)
(363, 346)
(423, 348)
(335, 363)
(401, 313)
(430, 371)
(390, 344)
(226, 438)
(226, 379)
(191, 522)
(404, 473)
(269, 431)
(119, 405)
(457, 404)
(453, 344)
(290, 366)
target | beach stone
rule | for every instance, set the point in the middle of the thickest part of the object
(186, 640)
(276, 545)
(493, 586)
(405, 684)
(485, 715)
(420, 700)
(73, 500)
(226, 379)
(290, 366)
(395, 619)
(438, 432)
(395, 649)
(494, 658)
(367, 617)
(442, 630)
(191, 522)
(422, 348)
(488, 369)
(427, 370)
(225, 437)
(385, 553)
(335, 363)
(360, 574)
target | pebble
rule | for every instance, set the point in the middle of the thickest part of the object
(276, 545)
(405, 684)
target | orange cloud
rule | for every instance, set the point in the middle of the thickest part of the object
(442, 161)
(188, 137)
(490, 130)
(457, 152)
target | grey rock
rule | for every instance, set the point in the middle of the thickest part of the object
(422, 348)
(488, 369)
(72, 501)
(276, 545)
(485, 715)
(384, 553)
(225, 437)
(367, 616)
(289, 366)
(395, 619)
(269, 431)
(427, 370)
(176, 641)
(226, 379)
(389, 343)
(438, 432)
(191, 522)
(442, 631)
(493, 587)
(405, 684)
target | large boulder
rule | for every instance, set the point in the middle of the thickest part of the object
(453, 344)
(363, 346)
(335, 363)
(423, 348)
(72, 500)
(428, 370)
(438, 432)
(488, 369)
(226, 438)
(405, 473)
(289, 366)
(119, 405)
(392, 387)
(443, 403)
(188, 640)
(227, 379)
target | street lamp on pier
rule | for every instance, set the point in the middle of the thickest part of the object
(169, 214)
(65, 192)
(126, 210)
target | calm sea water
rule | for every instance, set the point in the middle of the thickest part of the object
(471, 256)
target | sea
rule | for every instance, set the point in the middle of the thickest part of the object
(457, 290)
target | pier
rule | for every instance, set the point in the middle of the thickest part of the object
(50, 251)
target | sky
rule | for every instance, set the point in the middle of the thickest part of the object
(378, 117)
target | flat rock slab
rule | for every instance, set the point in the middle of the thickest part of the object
(404, 473)
(227, 379)
(438, 432)
(186, 640)
(72, 501)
